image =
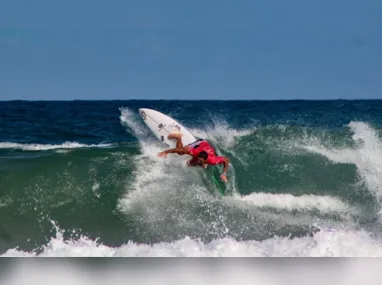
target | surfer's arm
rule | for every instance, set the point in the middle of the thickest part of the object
(223, 176)
(220, 160)
(176, 150)
(226, 163)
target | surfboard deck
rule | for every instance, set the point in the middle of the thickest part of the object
(162, 125)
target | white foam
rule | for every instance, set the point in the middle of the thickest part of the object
(221, 134)
(369, 158)
(154, 188)
(160, 272)
(162, 191)
(96, 190)
(37, 147)
(290, 202)
(5, 201)
(335, 155)
(324, 243)
(131, 120)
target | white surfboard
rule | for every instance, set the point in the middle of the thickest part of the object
(162, 125)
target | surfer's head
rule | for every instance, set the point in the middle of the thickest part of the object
(202, 157)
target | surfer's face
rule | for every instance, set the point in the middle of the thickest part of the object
(201, 160)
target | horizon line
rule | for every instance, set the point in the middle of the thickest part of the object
(267, 100)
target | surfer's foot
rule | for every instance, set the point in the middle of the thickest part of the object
(174, 136)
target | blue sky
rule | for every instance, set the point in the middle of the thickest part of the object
(190, 49)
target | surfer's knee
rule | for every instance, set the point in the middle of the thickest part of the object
(177, 136)
(185, 149)
(180, 151)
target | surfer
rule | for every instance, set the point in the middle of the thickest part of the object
(201, 151)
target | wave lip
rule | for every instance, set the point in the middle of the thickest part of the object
(37, 147)
(365, 155)
(290, 202)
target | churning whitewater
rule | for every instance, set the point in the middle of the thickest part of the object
(83, 179)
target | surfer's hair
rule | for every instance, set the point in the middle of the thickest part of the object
(203, 154)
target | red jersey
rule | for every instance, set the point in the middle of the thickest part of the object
(212, 158)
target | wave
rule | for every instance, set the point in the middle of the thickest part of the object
(133, 122)
(366, 155)
(39, 147)
(326, 243)
(166, 201)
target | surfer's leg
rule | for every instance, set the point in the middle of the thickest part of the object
(178, 137)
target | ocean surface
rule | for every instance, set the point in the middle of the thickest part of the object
(82, 178)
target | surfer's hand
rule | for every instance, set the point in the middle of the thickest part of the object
(223, 177)
(162, 154)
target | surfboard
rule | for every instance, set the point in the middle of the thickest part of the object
(162, 125)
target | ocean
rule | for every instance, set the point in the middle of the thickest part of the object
(81, 178)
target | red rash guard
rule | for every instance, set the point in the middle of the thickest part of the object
(212, 159)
